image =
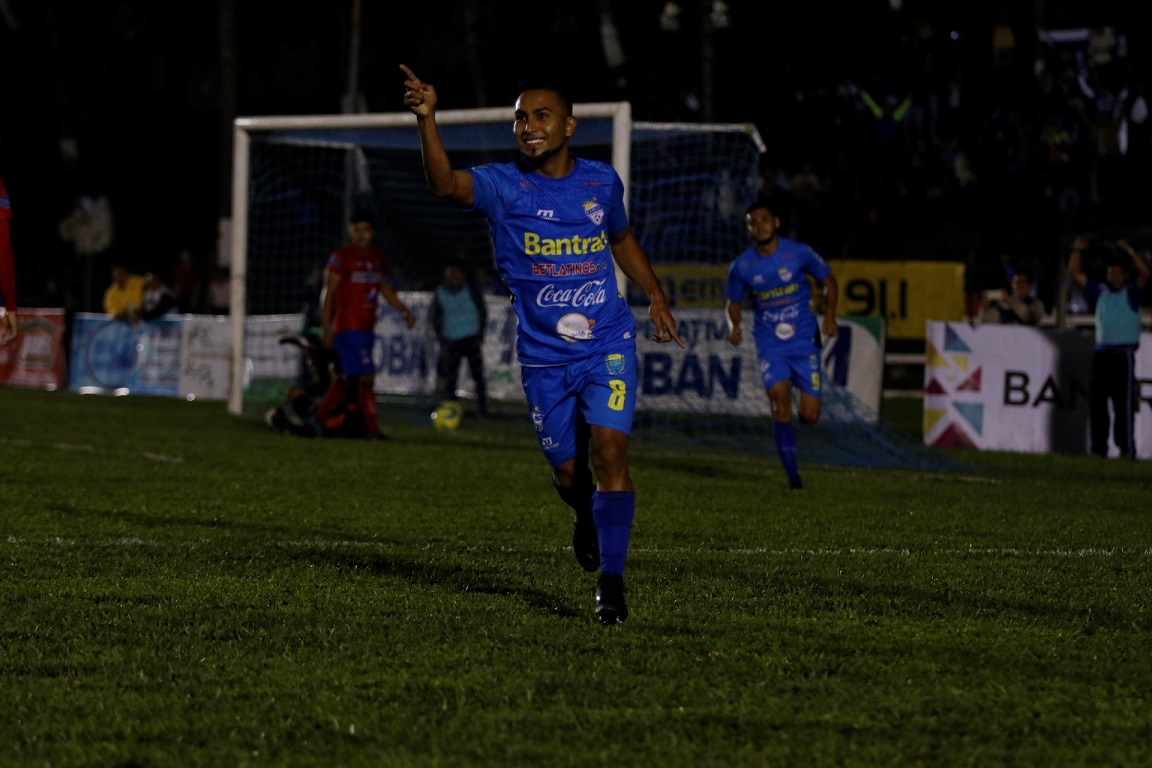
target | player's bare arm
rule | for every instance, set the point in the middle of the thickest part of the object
(9, 327)
(632, 260)
(1142, 272)
(421, 99)
(389, 294)
(735, 315)
(328, 308)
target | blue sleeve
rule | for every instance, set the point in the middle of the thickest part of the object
(817, 267)
(618, 215)
(486, 188)
(734, 286)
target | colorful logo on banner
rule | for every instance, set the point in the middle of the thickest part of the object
(36, 359)
(948, 377)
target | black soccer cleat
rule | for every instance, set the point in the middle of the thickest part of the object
(610, 605)
(795, 484)
(585, 542)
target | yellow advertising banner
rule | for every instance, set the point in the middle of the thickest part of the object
(906, 294)
(693, 286)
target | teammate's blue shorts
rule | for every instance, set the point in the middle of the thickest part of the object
(355, 351)
(602, 388)
(801, 366)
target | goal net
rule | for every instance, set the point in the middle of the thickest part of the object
(297, 179)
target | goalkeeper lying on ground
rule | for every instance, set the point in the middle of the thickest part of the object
(319, 405)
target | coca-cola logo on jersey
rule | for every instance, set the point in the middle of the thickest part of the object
(587, 295)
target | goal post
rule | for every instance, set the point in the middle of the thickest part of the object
(297, 179)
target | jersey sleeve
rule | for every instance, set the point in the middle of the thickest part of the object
(486, 186)
(734, 289)
(817, 267)
(618, 213)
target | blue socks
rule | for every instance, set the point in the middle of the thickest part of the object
(785, 435)
(613, 512)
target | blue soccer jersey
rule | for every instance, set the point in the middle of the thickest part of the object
(781, 294)
(550, 238)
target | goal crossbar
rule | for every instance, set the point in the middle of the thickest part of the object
(602, 124)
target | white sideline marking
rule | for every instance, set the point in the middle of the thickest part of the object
(70, 447)
(162, 457)
(131, 541)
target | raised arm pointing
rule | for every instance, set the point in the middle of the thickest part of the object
(420, 97)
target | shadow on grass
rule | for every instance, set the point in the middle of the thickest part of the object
(460, 578)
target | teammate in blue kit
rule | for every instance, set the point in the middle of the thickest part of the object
(557, 223)
(774, 273)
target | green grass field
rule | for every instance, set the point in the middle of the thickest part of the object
(182, 587)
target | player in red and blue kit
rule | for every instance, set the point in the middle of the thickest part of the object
(558, 223)
(774, 273)
(9, 325)
(355, 278)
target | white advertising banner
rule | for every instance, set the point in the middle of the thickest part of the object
(709, 376)
(206, 359)
(189, 356)
(184, 356)
(1015, 388)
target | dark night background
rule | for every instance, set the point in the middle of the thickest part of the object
(146, 92)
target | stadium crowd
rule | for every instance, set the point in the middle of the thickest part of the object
(900, 129)
(981, 154)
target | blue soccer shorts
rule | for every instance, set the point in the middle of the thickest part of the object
(355, 351)
(800, 366)
(602, 388)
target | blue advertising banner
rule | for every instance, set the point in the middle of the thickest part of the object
(115, 356)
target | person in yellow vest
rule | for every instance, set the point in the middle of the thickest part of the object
(125, 295)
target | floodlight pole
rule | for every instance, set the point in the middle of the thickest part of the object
(707, 59)
(352, 98)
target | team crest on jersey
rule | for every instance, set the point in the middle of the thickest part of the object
(614, 363)
(785, 274)
(594, 211)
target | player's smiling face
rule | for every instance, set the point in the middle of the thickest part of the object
(542, 125)
(762, 226)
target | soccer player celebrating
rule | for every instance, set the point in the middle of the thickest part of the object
(557, 222)
(775, 272)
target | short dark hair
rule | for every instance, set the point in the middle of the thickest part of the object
(362, 215)
(546, 82)
(762, 203)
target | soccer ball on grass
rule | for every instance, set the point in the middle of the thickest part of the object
(447, 416)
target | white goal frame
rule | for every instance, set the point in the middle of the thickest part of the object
(623, 130)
